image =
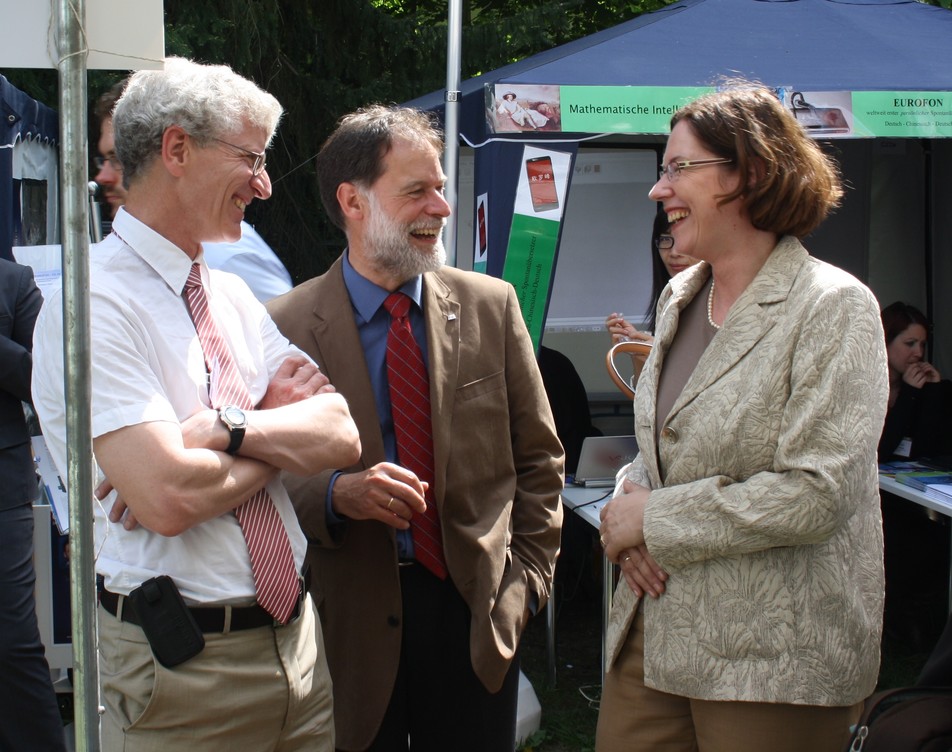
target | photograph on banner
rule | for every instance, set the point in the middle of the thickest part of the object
(515, 108)
(481, 239)
(534, 236)
(823, 114)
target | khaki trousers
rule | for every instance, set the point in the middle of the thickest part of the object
(635, 718)
(257, 689)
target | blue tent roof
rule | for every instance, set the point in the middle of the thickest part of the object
(812, 45)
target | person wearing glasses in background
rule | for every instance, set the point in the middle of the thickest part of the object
(665, 263)
(250, 257)
(197, 404)
(748, 529)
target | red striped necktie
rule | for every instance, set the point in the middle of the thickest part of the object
(410, 406)
(269, 548)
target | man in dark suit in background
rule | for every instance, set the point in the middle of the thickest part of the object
(29, 716)
(422, 628)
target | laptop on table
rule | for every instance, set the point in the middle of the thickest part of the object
(601, 459)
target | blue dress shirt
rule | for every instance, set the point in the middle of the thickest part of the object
(373, 324)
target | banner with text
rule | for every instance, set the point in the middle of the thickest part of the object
(648, 109)
(534, 235)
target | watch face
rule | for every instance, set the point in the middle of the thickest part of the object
(234, 416)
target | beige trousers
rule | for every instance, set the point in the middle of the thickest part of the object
(635, 718)
(257, 689)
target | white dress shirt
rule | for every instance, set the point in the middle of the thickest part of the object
(147, 365)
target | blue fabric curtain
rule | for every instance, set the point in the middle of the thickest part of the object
(23, 118)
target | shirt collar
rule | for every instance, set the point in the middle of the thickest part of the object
(367, 297)
(168, 260)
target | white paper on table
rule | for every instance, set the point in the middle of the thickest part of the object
(46, 262)
(52, 482)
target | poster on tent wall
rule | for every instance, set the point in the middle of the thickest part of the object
(534, 235)
(481, 230)
(648, 110)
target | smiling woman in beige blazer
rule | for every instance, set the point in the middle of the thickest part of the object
(751, 517)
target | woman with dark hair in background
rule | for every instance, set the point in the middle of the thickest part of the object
(665, 263)
(920, 401)
(918, 425)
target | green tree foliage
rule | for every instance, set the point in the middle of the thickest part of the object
(325, 58)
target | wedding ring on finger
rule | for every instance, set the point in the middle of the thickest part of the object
(390, 503)
(601, 539)
(627, 557)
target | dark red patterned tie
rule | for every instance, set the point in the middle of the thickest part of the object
(269, 548)
(410, 406)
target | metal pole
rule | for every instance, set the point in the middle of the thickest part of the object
(454, 44)
(70, 33)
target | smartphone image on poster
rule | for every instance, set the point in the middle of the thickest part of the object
(823, 120)
(541, 184)
(481, 229)
(819, 120)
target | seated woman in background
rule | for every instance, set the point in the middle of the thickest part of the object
(665, 263)
(919, 420)
(918, 425)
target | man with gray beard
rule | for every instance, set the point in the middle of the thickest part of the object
(431, 553)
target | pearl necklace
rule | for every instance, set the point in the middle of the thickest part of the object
(710, 306)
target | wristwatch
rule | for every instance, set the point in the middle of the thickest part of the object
(236, 423)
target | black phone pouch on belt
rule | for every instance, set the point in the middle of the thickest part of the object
(167, 622)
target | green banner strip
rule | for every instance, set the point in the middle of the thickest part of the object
(623, 109)
(648, 109)
(903, 114)
(528, 267)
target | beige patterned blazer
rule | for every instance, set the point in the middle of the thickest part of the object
(765, 508)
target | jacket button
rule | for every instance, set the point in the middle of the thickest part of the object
(669, 434)
(393, 621)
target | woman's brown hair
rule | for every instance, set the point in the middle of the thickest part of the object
(793, 184)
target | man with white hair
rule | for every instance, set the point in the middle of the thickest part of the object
(250, 257)
(207, 637)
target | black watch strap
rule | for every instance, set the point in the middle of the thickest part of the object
(235, 437)
(236, 422)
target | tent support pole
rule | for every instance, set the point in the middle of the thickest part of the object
(454, 46)
(71, 66)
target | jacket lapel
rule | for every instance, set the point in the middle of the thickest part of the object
(442, 312)
(342, 360)
(754, 314)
